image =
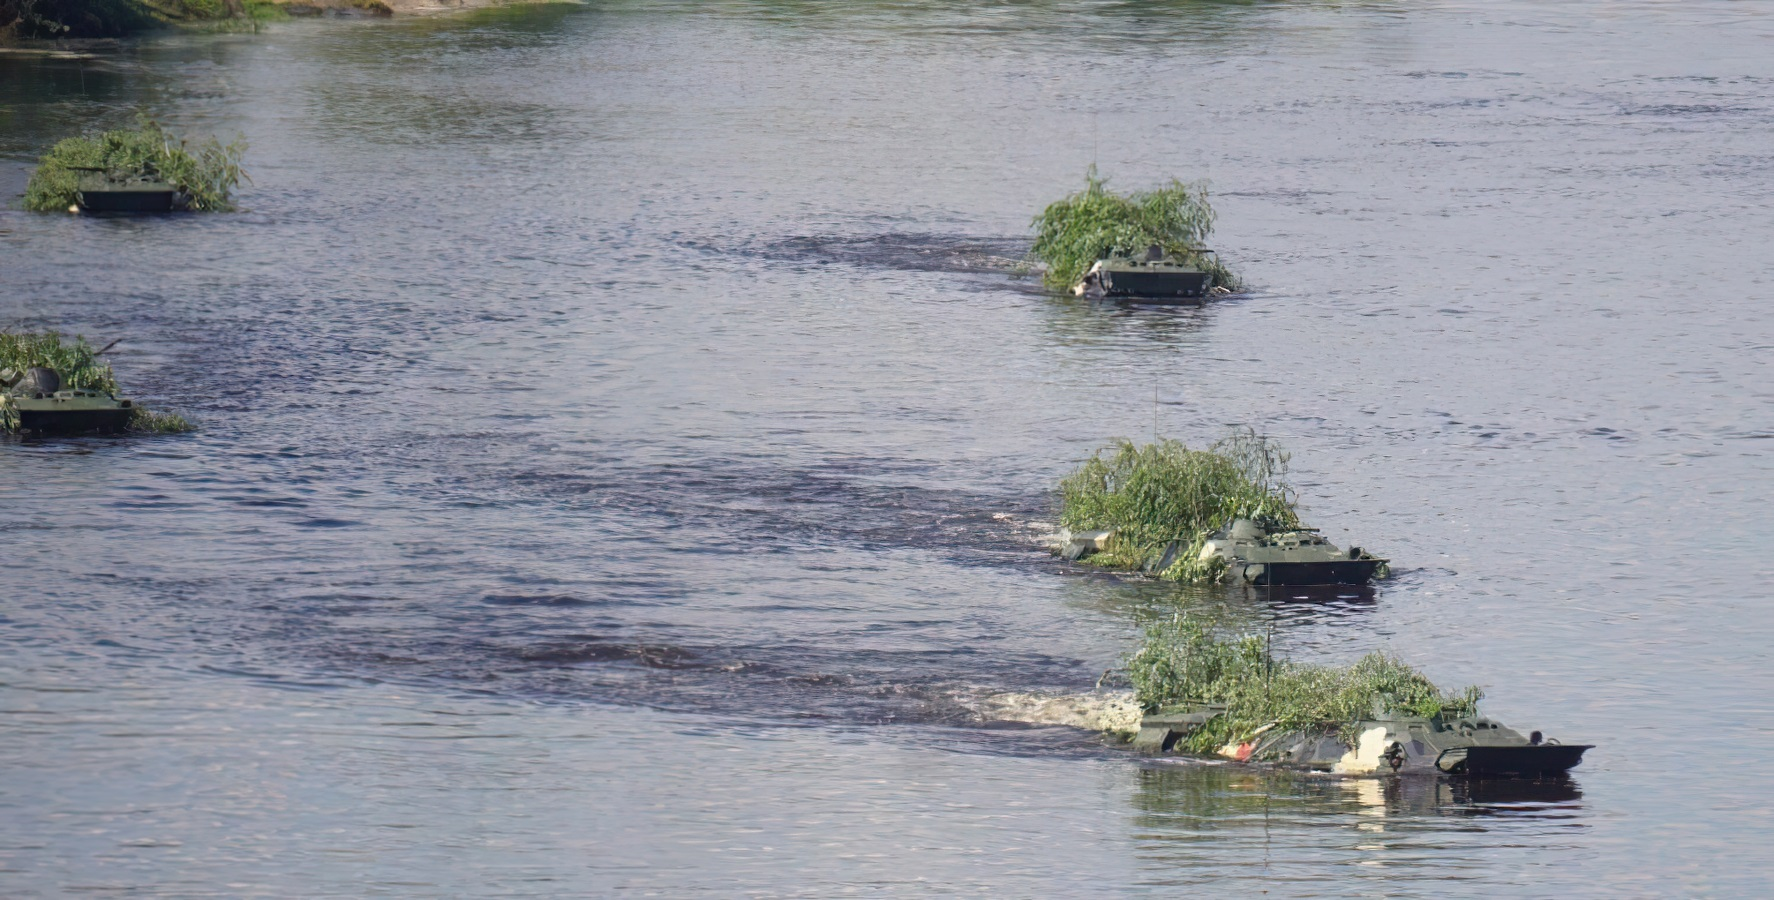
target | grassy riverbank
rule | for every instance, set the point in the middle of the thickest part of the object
(49, 23)
(45, 20)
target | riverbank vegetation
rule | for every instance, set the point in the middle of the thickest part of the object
(22, 20)
(80, 367)
(28, 20)
(205, 174)
(1188, 662)
(1154, 494)
(1073, 233)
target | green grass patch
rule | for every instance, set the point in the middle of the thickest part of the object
(1187, 662)
(76, 361)
(206, 173)
(192, 9)
(80, 367)
(260, 11)
(213, 16)
(147, 421)
(1092, 224)
(1161, 492)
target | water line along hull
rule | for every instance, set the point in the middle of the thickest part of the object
(1155, 285)
(75, 421)
(1535, 761)
(124, 200)
(1342, 571)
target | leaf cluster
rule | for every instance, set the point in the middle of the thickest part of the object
(147, 421)
(208, 15)
(1157, 493)
(205, 174)
(1095, 223)
(1186, 662)
(75, 361)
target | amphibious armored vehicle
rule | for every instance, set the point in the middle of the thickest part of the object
(1388, 742)
(1291, 556)
(43, 406)
(101, 192)
(1154, 277)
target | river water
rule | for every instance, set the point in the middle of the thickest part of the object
(618, 472)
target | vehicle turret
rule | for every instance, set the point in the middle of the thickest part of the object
(1257, 552)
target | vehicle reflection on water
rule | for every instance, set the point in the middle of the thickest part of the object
(1186, 790)
(1192, 818)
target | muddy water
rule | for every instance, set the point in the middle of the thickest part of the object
(621, 452)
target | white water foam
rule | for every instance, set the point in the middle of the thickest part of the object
(1108, 711)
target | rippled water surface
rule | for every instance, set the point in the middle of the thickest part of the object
(621, 454)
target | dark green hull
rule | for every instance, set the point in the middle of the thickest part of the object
(129, 200)
(74, 421)
(1535, 761)
(1351, 571)
(1172, 285)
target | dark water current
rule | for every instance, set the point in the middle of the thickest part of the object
(621, 449)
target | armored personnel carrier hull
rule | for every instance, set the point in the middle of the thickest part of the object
(1155, 278)
(98, 193)
(42, 406)
(133, 198)
(1344, 571)
(1295, 556)
(71, 419)
(1394, 743)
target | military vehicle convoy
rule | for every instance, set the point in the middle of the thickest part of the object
(1154, 277)
(42, 405)
(1255, 554)
(1390, 742)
